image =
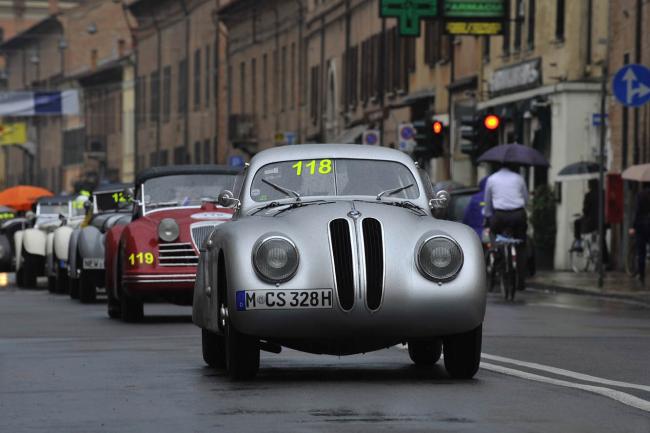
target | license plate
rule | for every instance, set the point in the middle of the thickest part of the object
(93, 263)
(284, 299)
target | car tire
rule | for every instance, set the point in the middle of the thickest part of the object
(132, 309)
(463, 353)
(87, 287)
(73, 287)
(20, 277)
(425, 353)
(214, 349)
(61, 279)
(242, 354)
(113, 306)
(29, 268)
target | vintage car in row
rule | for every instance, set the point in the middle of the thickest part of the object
(334, 249)
(155, 258)
(8, 228)
(34, 244)
(108, 206)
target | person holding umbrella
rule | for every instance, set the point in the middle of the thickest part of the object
(641, 225)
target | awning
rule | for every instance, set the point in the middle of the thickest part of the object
(350, 135)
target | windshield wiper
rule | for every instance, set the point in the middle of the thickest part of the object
(267, 206)
(283, 190)
(301, 204)
(393, 191)
(408, 205)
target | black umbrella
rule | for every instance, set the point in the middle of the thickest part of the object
(579, 171)
(514, 154)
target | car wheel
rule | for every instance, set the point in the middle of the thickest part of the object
(87, 287)
(425, 353)
(214, 349)
(242, 354)
(113, 306)
(20, 277)
(73, 287)
(132, 309)
(29, 268)
(61, 279)
(463, 353)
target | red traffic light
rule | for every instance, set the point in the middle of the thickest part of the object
(491, 122)
(437, 127)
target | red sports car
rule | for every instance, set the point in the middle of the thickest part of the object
(154, 257)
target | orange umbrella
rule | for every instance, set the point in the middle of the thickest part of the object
(22, 197)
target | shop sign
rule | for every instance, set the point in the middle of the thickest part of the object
(516, 77)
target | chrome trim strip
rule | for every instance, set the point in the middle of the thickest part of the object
(153, 276)
(161, 281)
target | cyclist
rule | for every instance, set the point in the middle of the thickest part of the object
(506, 197)
(642, 230)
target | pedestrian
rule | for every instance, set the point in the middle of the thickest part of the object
(473, 215)
(506, 197)
(588, 223)
(641, 229)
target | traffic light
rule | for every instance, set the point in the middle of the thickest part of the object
(469, 133)
(479, 133)
(429, 137)
(490, 136)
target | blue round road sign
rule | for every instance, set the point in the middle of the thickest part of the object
(631, 85)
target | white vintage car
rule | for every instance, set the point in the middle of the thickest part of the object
(36, 248)
(334, 249)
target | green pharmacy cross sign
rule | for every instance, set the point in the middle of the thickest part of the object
(409, 13)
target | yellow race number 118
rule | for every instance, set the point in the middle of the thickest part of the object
(324, 167)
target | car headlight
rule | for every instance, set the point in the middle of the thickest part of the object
(275, 259)
(168, 230)
(439, 258)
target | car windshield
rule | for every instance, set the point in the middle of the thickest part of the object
(111, 201)
(333, 177)
(184, 190)
(53, 209)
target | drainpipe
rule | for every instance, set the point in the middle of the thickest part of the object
(299, 59)
(186, 135)
(637, 58)
(136, 90)
(159, 67)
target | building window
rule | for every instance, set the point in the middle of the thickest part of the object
(155, 96)
(531, 24)
(163, 159)
(486, 48)
(179, 155)
(153, 159)
(197, 79)
(197, 152)
(283, 81)
(351, 78)
(559, 19)
(265, 87)
(167, 93)
(314, 93)
(182, 86)
(436, 43)
(207, 152)
(275, 81)
(229, 88)
(208, 76)
(254, 86)
(292, 89)
(519, 23)
(242, 87)
(506, 30)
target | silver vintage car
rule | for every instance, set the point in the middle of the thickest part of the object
(333, 249)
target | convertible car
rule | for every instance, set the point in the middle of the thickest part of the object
(108, 207)
(333, 249)
(157, 253)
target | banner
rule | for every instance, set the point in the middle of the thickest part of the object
(13, 133)
(29, 104)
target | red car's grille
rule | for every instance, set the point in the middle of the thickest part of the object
(179, 254)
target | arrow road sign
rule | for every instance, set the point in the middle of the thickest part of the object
(631, 85)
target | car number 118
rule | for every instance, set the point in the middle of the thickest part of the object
(284, 299)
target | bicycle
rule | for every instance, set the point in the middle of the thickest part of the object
(502, 265)
(584, 252)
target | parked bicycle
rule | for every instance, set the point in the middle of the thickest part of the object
(584, 252)
(502, 266)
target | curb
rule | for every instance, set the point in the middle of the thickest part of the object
(645, 300)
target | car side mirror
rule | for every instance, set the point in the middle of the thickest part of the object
(440, 202)
(227, 199)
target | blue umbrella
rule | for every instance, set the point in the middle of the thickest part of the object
(514, 154)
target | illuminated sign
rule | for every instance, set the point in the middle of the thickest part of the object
(408, 13)
(474, 28)
(473, 9)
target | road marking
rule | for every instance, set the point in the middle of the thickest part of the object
(566, 373)
(621, 397)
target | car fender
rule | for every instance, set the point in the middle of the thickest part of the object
(62, 242)
(35, 241)
(50, 262)
(111, 250)
(73, 253)
(18, 247)
(91, 243)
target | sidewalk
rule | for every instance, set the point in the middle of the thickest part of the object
(617, 285)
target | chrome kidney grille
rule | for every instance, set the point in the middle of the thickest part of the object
(178, 254)
(343, 259)
(200, 233)
(374, 251)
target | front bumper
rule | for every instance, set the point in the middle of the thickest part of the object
(159, 283)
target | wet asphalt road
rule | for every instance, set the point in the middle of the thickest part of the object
(67, 368)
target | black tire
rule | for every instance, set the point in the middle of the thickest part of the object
(20, 277)
(73, 287)
(242, 354)
(113, 306)
(425, 353)
(214, 349)
(30, 271)
(87, 287)
(61, 279)
(463, 353)
(132, 309)
(51, 284)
